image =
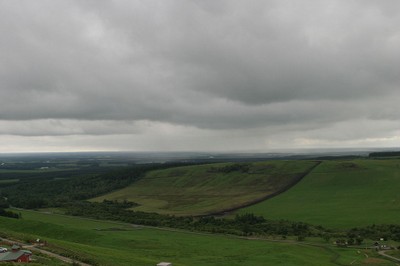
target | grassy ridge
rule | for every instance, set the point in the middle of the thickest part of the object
(203, 189)
(340, 194)
(108, 243)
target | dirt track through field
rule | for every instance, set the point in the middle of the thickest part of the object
(382, 252)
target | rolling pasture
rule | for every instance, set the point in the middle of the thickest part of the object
(335, 194)
(340, 194)
(211, 188)
(110, 243)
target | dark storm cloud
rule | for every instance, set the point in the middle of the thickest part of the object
(213, 65)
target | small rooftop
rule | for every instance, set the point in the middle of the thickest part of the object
(164, 264)
(10, 256)
(16, 247)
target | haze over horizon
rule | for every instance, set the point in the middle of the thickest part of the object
(208, 75)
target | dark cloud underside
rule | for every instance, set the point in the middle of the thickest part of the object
(258, 72)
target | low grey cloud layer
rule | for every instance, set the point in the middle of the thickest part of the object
(184, 75)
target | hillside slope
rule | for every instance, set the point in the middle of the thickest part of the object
(340, 194)
(204, 189)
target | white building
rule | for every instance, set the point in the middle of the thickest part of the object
(164, 264)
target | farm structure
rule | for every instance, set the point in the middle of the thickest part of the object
(164, 264)
(381, 246)
(15, 255)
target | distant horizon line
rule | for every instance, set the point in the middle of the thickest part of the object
(272, 151)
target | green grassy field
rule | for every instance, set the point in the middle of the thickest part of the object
(200, 189)
(108, 243)
(340, 194)
(8, 181)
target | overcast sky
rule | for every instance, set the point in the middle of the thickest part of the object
(204, 75)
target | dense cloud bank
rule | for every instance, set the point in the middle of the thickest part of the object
(258, 72)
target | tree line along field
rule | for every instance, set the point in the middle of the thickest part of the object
(340, 194)
(210, 188)
(109, 243)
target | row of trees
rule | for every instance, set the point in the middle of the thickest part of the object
(243, 225)
(384, 154)
(32, 193)
(4, 205)
(385, 231)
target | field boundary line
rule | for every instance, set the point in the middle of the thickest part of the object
(267, 197)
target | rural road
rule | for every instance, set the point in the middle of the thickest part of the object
(45, 252)
(54, 255)
(382, 252)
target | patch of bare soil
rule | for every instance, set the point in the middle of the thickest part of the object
(374, 261)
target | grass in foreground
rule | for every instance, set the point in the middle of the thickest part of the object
(109, 243)
(8, 181)
(340, 194)
(203, 189)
